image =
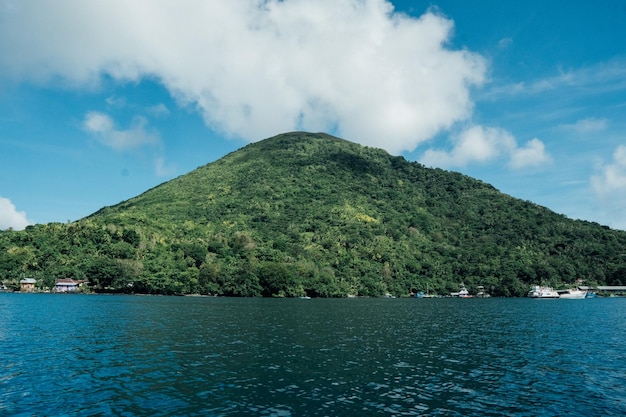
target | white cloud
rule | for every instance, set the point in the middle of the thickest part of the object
(475, 144)
(98, 123)
(609, 185)
(255, 68)
(599, 78)
(611, 180)
(479, 144)
(532, 155)
(155, 110)
(505, 43)
(117, 102)
(136, 136)
(159, 110)
(10, 217)
(589, 125)
(162, 168)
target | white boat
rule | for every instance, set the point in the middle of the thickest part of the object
(572, 294)
(481, 292)
(538, 291)
(463, 293)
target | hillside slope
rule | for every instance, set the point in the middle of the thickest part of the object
(311, 214)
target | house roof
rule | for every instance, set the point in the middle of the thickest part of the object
(66, 282)
(28, 281)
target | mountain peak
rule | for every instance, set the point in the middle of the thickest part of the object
(308, 213)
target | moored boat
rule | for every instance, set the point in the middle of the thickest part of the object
(426, 294)
(572, 294)
(481, 292)
(538, 291)
(463, 293)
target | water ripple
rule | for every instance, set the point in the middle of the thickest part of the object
(162, 356)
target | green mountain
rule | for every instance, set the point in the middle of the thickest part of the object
(312, 214)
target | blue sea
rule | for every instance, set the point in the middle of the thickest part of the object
(101, 355)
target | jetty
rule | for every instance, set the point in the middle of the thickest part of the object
(607, 289)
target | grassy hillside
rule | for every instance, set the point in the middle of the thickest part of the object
(311, 214)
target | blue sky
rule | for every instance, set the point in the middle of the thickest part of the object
(103, 100)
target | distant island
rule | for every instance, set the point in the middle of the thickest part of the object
(311, 215)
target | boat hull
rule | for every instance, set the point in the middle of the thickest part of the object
(573, 295)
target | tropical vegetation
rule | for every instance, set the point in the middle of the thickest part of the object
(309, 214)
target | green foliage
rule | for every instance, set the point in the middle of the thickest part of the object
(309, 214)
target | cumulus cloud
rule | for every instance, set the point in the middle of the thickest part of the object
(609, 185)
(103, 126)
(255, 68)
(10, 218)
(611, 180)
(533, 154)
(476, 144)
(479, 144)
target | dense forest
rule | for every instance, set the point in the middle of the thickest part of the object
(309, 214)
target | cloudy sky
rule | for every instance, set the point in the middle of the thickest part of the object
(101, 100)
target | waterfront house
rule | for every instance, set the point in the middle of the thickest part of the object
(28, 284)
(66, 285)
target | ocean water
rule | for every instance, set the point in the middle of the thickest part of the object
(191, 356)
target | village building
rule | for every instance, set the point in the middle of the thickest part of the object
(66, 285)
(27, 284)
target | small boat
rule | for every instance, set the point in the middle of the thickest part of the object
(481, 292)
(426, 294)
(463, 293)
(538, 291)
(572, 294)
(304, 297)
